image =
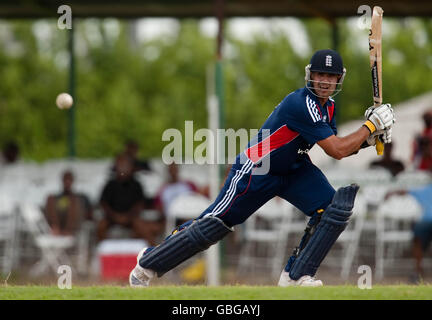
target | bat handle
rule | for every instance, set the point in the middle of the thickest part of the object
(379, 146)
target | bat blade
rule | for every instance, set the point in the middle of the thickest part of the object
(375, 59)
(375, 54)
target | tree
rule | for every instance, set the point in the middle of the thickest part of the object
(137, 91)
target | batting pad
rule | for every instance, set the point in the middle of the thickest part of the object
(197, 237)
(333, 222)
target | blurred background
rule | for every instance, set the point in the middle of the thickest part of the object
(137, 69)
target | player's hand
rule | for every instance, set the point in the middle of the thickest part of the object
(369, 111)
(383, 135)
(386, 137)
(379, 118)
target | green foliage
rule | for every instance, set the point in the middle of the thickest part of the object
(137, 90)
(258, 78)
(127, 95)
(405, 71)
(28, 88)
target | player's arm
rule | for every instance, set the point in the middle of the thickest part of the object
(341, 147)
(378, 121)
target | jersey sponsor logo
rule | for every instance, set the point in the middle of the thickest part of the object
(300, 151)
(313, 109)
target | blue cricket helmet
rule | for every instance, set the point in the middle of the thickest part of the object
(328, 61)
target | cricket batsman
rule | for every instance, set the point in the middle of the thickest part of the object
(304, 118)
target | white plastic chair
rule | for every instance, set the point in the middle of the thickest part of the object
(151, 182)
(374, 194)
(86, 170)
(38, 195)
(342, 176)
(268, 230)
(350, 237)
(413, 178)
(338, 176)
(52, 247)
(20, 172)
(394, 220)
(185, 207)
(375, 176)
(8, 239)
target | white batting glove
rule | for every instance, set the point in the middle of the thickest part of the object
(387, 136)
(379, 118)
(383, 135)
(368, 112)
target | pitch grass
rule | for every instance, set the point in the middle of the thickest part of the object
(397, 292)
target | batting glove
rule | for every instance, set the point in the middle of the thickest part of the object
(383, 135)
(379, 118)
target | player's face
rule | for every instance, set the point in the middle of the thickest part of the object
(324, 84)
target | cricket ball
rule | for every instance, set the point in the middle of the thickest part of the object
(64, 101)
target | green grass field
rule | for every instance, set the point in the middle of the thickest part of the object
(398, 292)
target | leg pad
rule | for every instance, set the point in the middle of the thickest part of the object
(197, 237)
(332, 224)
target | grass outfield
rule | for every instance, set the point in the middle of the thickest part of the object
(399, 292)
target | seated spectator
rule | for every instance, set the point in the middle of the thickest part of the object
(425, 159)
(422, 230)
(122, 202)
(422, 145)
(173, 188)
(67, 210)
(10, 153)
(388, 162)
(131, 149)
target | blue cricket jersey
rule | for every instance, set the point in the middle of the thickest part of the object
(295, 125)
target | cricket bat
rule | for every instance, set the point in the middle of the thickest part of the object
(375, 59)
